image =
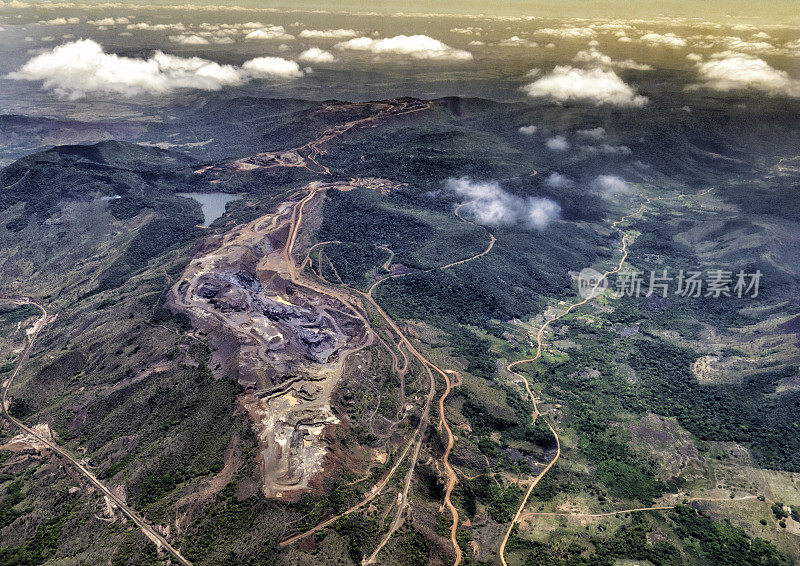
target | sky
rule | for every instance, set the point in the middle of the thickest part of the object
(148, 64)
(777, 11)
(54, 54)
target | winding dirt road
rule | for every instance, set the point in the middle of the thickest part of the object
(148, 531)
(539, 344)
(419, 434)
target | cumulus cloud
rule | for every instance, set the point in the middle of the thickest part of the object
(490, 204)
(733, 43)
(415, 46)
(598, 86)
(607, 149)
(109, 22)
(269, 33)
(729, 71)
(80, 67)
(264, 67)
(470, 30)
(558, 181)
(664, 40)
(597, 133)
(60, 21)
(189, 39)
(610, 184)
(178, 26)
(569, 32)
(527, 130)
(516, 41)
(558, 143)
(541, 212)
(694, 57)
(317, 55)
(328, 33)
(595, 57)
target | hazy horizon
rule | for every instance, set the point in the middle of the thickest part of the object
(775, 11)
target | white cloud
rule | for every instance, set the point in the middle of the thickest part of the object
(694, 57)
(470, 30)
(558, 143)
(610, 184)
(541, 212)
(269, 34)
(730, 71)
(558, 181)
(476, 42)
(188, 39)
(416, 46)
(317, 55)
(734, 43)
(60, 21)
(264, 67)
(595, 57)
(157, 27)
(490, 204)
(665, 40)
(516, 41)
(328, 33)
(597, 133)
(569, 32)
(80, 67)
(109, 21)
(607, 149)
(598, 86)
(223, 40)
(527, 130)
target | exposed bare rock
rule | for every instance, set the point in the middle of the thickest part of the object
(283, 338)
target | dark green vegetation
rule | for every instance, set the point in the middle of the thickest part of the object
(749, 413)
(12, 497)
(350, 264)
(45, 179)
(118, 376)
(12, 316)
(501, 503)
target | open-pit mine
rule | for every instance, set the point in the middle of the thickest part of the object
(284, 336)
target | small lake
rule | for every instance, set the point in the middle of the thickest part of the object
(212, 204)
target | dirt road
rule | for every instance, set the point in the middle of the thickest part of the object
(539, 344)
(148, 531)
(418, 437)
